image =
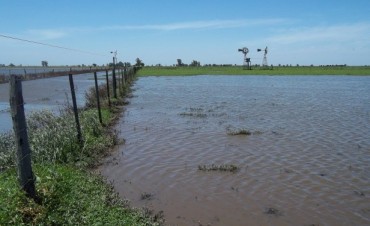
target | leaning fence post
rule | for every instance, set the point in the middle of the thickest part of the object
(97, 97)
(78, 127)
(106, 76)
(25, 174)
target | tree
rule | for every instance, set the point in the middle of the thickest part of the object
(180, 63)
(11, 65)
(195, 63)
(139, 63)
(44, 63)
(94, 65)
(120, 64)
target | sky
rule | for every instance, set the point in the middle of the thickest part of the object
(318, 32)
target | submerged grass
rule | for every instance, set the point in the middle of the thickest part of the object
(238, 70)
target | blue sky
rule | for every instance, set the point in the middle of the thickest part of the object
(210, 31)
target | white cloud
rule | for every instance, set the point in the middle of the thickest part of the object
(209, 24)
(329, 34)
(47, 34)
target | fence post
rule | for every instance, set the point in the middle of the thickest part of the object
(123, 77)
(119, 82)
(108, 92)
(97, 97)
(114, 79)
(25, 174)
(78, 127)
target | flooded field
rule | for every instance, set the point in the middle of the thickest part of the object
(304, 161)
(49, 93)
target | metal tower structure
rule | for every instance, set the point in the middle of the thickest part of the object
(264, 61)
(246, 61)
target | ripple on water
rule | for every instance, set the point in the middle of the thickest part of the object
(307, 158)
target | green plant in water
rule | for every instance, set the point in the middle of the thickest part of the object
(224, 167)
(239, 132)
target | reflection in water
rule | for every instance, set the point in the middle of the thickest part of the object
(306, 161)
(49, 93)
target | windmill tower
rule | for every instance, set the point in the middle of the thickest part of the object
(264, 61)
(246, 61)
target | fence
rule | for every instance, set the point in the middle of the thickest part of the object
(25, 173)
(31, 73)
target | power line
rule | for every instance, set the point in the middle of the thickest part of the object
(50, 45)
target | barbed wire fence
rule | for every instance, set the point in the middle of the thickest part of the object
(16, 101)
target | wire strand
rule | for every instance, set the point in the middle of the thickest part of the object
(50, 45)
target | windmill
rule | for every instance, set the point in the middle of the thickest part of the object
(247, 61)
(264, 61)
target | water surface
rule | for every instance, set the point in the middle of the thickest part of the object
(307, 161)
(50, 93)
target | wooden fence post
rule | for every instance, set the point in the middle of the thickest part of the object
(119, 82)
(114, 79)
(25, 174)
(106, 76)
(97, 97)
(78, 127)
(123, 77)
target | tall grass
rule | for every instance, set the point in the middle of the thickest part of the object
(7, 151)
(53, 139)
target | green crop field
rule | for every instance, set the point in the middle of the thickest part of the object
(238, 70)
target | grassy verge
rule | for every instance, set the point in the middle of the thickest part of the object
(237, 70)
(68, 194)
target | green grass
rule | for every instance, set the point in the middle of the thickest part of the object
(68, 196)
(237, 70)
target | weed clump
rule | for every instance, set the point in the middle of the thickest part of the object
(273, 211)
(240, 132)
(146, 196)
(223, 168)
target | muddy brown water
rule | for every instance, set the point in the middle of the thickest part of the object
(307, 161)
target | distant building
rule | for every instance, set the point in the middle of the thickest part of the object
(44, 63)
